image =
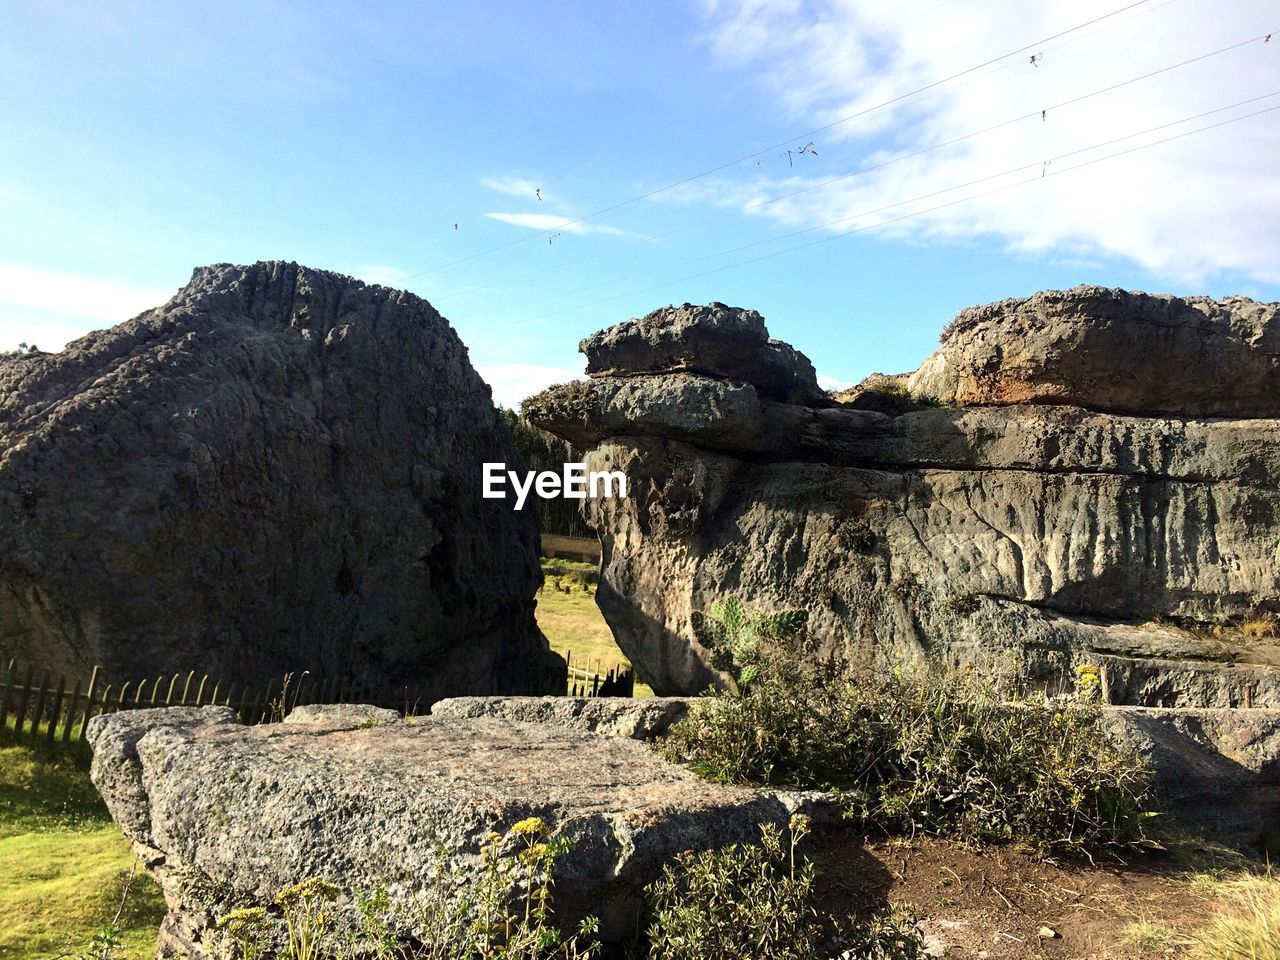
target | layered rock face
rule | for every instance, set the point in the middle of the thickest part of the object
(279, 469)
(1089, 474)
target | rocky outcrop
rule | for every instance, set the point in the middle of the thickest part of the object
(226, 816)
(1113, 350)
(279, 469)
(1109, 494)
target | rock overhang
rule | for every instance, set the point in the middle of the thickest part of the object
(1029, 474)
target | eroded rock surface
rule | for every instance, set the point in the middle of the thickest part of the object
(277, 470)
(1114, 350)
(227, 815)
(1110, 494)
(1217, 769)
(611, 716)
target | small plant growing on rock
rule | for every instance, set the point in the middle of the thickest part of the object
(308, 915)
(527, 933)
(739, 903)
(1088, 683)
(736, 638)
(248, 928)
(1260, 627)
(481, 922)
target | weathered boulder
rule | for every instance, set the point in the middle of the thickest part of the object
(226, 815)
(341, 716)
(1218, 770)
(611, 716)
(714, 340)
(277, 470)
(1112, 350)
(1055, 532)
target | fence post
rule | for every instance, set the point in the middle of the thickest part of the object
(88, 702)
(4, 696)
(41, 701)
(56, 713)
(71, 714)
(24, 698)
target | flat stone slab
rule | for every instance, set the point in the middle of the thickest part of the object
(228, 815)
(612, 716)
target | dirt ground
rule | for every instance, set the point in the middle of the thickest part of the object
(994, 902)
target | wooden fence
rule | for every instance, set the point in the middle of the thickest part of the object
(41, 706)
(595, 679)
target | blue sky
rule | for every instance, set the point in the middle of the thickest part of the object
(139, 140)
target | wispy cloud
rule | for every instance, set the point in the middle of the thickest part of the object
(512, 383)
(515, 187)
(88, 297)
(380, 274)
(827, 382)
(1188, 210)
(547, 222)
(51, 309)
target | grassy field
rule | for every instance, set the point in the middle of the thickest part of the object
(573, 624)
(63, 863)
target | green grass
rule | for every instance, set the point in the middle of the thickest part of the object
(62, 861)
(573, 623)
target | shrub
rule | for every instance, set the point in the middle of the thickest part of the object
(923, 751)
(757, 901)
(1259, 628)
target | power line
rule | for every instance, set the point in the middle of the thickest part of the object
(1040, 164)
(848, 176)
(801, 137)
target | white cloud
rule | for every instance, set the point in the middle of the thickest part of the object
(547, 222)
(515, 187)
(57, 307)
(513, 382)
(1187, 210)
(827, 382)
(383, 275)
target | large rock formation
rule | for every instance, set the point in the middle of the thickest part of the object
(1109, 493)
(226, 816)
(279, 469)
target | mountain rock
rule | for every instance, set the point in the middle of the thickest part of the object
(277, 470)
(1060, 482)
